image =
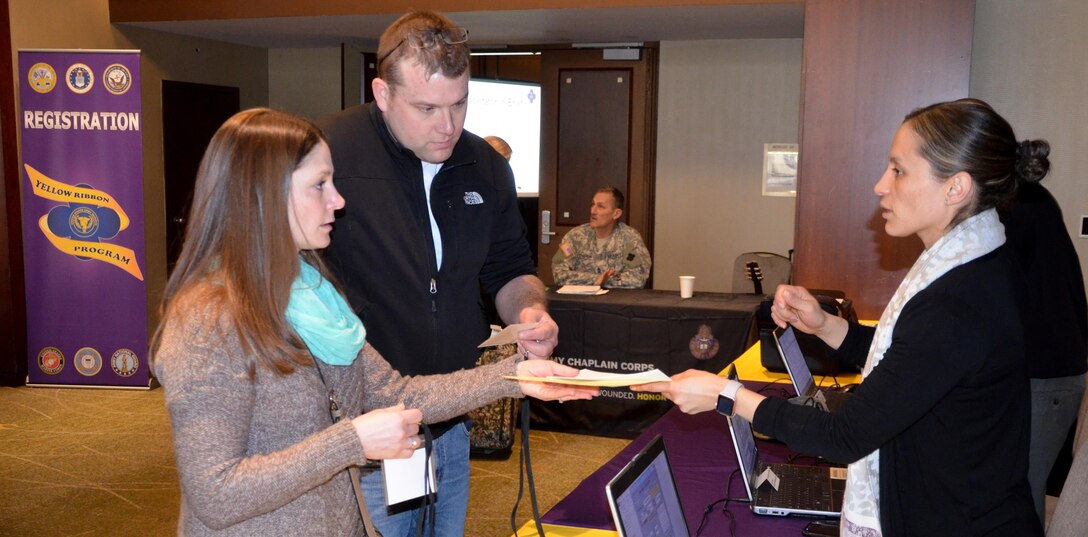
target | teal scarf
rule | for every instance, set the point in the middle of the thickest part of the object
(323, 319)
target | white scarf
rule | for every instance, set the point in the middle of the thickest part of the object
(971, 239)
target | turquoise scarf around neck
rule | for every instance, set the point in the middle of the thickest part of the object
(323, 319)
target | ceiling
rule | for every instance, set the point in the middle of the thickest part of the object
(491, 29)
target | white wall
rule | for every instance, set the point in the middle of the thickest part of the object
(304, 81)
(1028, 62)
(719, 102)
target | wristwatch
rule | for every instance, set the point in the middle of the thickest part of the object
(728, 397)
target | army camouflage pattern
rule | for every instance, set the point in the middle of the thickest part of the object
(492, 432)
(578, 261)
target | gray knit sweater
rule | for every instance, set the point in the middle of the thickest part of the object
(257, 453)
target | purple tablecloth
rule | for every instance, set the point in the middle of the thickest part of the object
(702, 458)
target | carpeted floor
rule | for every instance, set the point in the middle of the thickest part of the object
(76, 462)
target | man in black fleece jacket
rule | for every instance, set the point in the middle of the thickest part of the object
(431, 219)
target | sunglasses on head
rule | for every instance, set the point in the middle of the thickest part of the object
(428, 38)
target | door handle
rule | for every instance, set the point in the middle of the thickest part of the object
(546, 227)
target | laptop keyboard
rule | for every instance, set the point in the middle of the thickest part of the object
(800, 487)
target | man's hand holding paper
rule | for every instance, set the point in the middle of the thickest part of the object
(539, 334)
(534, 370)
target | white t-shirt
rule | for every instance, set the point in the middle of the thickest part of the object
(429, 171)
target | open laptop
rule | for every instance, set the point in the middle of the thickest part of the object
(643, 496)
(803, 382)
(801, 490)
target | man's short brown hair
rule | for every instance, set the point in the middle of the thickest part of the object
(449, 60)
(617, 196)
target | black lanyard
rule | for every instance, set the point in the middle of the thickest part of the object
(335, 406)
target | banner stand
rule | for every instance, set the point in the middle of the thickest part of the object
(83, 218)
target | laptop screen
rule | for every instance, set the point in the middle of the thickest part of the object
(744, 443)
(643, 496)
(795, 361)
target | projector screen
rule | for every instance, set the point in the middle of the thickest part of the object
(511, 111)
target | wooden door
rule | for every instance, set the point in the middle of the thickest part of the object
(594, 138)
(599, 124)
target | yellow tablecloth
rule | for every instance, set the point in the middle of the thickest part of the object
(529, 530)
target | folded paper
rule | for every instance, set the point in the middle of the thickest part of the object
(587, 377)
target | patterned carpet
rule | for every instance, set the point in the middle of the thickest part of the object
(82, 462)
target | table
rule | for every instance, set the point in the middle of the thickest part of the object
(702, 458)
(631, 330)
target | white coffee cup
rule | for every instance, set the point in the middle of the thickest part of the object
(687, 286)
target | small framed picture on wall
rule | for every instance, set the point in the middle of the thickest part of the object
(779, 169)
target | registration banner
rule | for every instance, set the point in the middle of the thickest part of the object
(83, 217)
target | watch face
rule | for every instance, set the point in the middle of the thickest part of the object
(725, 405)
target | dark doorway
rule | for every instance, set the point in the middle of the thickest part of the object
(529, 207)
(191, 113)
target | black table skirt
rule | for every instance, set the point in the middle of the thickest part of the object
(627, 331)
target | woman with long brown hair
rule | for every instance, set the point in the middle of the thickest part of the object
(256, 343)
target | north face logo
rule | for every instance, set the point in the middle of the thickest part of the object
(473, 198)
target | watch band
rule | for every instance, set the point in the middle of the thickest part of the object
(728, 397)
(731, 388)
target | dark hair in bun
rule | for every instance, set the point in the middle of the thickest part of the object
(967, 135)
(1032, 163)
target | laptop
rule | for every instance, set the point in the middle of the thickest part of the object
(812, 347)
(643, 496)
(801, 490)
(803, 382)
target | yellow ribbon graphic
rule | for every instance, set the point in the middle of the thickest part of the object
(52, 189)
(118, 256)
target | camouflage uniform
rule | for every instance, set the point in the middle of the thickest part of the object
(579, 262)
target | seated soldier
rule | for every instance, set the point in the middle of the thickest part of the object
(603, 252)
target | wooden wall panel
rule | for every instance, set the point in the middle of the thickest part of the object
(13, 362)
(866, 65)
(520, 68)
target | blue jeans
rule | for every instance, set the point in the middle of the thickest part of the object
(1054, 406)
(451, 473)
